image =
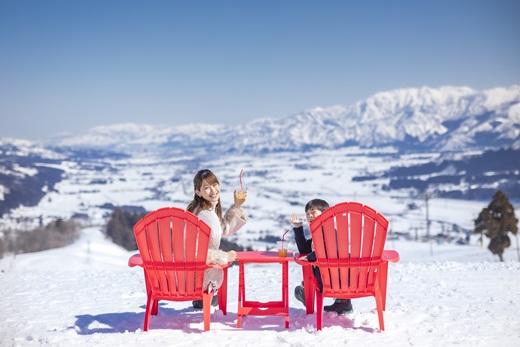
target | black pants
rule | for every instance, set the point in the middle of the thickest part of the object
(317, 274)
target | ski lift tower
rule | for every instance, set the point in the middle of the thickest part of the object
(427, 196)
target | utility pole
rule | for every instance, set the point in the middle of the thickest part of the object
(517, 247)
(392, 236)
(426, 198)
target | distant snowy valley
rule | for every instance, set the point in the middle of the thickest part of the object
(278, 185)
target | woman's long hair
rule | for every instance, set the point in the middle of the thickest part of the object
(199, 202)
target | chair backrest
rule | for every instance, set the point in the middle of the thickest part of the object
(349, 239)
(173, 244)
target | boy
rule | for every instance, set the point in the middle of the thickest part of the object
(313, 209)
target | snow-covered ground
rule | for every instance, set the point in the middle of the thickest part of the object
(85, 295)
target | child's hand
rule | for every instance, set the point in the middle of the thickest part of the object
(295, 220)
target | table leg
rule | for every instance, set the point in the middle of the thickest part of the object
(270, 308)
(241, 292)
(285, 291)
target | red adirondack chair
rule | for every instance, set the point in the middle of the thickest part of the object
(173, 246)
(349, 240)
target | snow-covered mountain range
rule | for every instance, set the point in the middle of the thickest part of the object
(419, 119)
(339, 153)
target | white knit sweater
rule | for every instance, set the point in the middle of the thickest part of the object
(233, 220)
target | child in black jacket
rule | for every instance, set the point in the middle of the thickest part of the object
(313, 209)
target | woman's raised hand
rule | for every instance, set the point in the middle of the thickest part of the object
(240, 198)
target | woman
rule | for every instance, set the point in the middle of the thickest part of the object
(206, 205)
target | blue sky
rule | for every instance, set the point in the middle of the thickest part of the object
(66, 66)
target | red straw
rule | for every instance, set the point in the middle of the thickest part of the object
(241, 179)
(283, 236)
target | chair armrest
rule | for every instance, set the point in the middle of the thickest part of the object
(135, 260)
(390, 255)
(220, 266)
(298, 261)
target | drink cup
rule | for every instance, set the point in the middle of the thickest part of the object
(282, 248)
(241, 192)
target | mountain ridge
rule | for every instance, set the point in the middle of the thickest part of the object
(443, 119)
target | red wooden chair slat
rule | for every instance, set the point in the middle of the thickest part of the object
(349, 240)
(173, 247)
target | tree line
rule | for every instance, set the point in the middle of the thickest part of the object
(495, 221)
(58, 233)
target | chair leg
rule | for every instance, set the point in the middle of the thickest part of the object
(155, 305)
(319, 309)
(309, 288)
(379, 305)
(148, 311)
(383, 276)
(155, 308)
(222, 293)
(206, 306)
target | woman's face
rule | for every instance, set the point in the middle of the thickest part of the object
(210, 192)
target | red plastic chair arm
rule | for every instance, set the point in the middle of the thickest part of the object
(135, 260)
(219, 266)
(391, 256)
(297, 260)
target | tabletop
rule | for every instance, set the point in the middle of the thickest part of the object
(264, 257)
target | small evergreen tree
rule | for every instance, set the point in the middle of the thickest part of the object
(496, 221)
(120, 228)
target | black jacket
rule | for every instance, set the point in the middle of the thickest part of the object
(305, 247)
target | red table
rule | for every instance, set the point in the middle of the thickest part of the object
(257, 308)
